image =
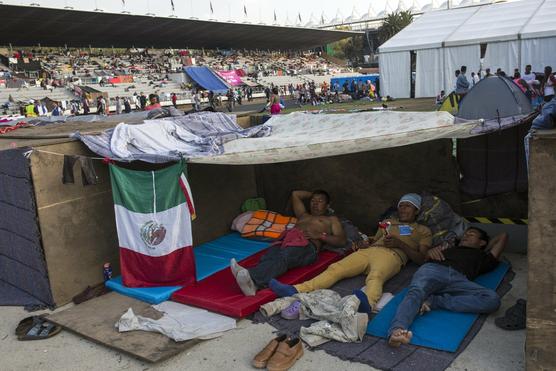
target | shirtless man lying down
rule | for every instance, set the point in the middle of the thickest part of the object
(298, 246)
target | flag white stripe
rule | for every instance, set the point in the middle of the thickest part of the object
(176, 221)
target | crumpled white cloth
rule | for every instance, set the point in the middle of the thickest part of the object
(340, 320)
(179, 322)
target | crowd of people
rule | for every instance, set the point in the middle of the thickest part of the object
(538, 87)
(70, 69)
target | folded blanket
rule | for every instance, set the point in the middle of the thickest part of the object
(267, 225)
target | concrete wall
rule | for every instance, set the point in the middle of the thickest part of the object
(541, 301)
(77, 222)
(363, 185)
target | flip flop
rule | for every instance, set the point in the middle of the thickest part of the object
(36, 328)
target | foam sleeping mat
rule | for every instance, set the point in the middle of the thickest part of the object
(438, 329)
(220, 293)
(210, 257)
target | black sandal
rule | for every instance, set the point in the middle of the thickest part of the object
(36, 328)
(515, 317)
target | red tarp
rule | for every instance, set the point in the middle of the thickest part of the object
(123, 79)
(219, 293)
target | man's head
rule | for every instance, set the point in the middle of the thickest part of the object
(153, 98)
(408, 207)
(474, 238)
(319, 202)
(547, 71)
(487, 71)
(528, 69)
(463, 69)
(457, 73)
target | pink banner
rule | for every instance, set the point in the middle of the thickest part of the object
(231, 77)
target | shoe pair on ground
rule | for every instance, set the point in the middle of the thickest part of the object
(279, 354)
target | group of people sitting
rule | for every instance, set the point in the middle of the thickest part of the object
(443, 281)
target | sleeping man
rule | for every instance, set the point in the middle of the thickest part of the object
(445, 282)
(298, 246)
(390, 249)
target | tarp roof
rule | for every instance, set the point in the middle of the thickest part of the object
(31, 25)
(301, 136)
(473, 25)
(205, 77)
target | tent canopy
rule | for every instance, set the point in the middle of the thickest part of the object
(428, 31)
(474, 25)
(494, 97)
(206, 78)
(542, 22)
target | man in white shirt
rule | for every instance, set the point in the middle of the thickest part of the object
(528, 75)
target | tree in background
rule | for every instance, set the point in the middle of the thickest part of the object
(394, 23)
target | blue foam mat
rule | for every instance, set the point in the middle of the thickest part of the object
(152, 295)
(210, 257)
(438, 329)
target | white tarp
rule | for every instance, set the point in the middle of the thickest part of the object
(301, 136)
(538, 53)
(504, 55)
(395, 74)
(458, 56)
(179, 322)
(428, 31)
(429, 80)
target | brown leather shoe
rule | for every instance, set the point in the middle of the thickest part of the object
(286, 355)
(264, 355)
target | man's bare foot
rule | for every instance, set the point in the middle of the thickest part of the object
(425, 307)
(399, 337)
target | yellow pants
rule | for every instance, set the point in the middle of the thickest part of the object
(378, 263)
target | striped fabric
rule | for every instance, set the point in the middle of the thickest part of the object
(153, 218)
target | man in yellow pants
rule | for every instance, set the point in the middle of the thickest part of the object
(386, 253)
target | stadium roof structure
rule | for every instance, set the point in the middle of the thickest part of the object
(31, 25)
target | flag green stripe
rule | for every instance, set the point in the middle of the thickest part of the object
(134, 189)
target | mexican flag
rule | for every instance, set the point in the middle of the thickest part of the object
(154, 210)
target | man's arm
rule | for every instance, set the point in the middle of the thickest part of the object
(338, 236)
(297, 201)
(418, 256)
(498, 244)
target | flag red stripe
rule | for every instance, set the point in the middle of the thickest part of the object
(174, 269)
(188, 199)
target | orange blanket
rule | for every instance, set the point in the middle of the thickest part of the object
(267, 224)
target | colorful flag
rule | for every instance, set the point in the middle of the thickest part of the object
(153, 211)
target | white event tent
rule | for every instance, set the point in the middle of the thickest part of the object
(514, 33)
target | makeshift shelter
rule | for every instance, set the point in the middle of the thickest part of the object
(494, 163)
(342, 153)
(206, 78)
(514, 34)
